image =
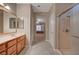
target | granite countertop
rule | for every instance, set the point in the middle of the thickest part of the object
(5, 38)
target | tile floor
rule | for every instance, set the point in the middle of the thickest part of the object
(38, 38)
(42, 48)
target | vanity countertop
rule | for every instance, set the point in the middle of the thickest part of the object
(5, 38)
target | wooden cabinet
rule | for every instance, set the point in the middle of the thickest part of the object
(11, 47)
(14, 46)
(21, 44)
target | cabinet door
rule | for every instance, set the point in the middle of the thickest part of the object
(11, 46)
(14, 53)
(21, 43)
(11, 50)
(3, 53)
(11, 43)
(2, 47)
(19, 47)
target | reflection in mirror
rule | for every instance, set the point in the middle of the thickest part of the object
(7, 22)
(12, 23)
(20, 23)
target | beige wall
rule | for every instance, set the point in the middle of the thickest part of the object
(32, 26)
(24, 11)
(52, 26)
(75, 27)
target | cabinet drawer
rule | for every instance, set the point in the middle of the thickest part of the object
(3, 53)
(14, 53)
(11, 50)
(2, 47)
(21, 38)
(10, 43)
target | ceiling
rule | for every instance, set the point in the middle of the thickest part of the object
(41, 7)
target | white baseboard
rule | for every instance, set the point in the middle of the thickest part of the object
(50, 44)
(46, 40)
(57, 50)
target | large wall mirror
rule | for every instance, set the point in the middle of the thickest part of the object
(7, 21)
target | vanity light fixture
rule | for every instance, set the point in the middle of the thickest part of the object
(22, 18)
(2, 4)
(7, 7)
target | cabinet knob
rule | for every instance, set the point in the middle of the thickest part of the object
(66, 30)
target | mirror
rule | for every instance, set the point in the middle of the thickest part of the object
(7, 22)
(20, 23)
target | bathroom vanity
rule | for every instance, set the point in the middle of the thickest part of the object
(13, 45)
(11, 42)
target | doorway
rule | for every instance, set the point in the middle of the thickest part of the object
(39, 29)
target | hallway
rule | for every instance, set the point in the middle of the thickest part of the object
(39, 37)
(39, 29)
(43, 48)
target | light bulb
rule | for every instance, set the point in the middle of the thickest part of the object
(7, 7)
(22, 18)
(2, 4)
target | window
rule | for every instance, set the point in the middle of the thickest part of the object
(38, 28)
